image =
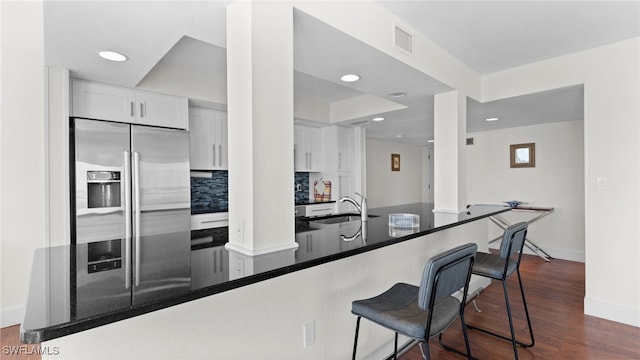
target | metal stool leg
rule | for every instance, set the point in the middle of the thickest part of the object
(395, 347)
(526, 312)
(513, 339)
(355, 341)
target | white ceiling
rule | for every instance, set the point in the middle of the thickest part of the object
(487, 36)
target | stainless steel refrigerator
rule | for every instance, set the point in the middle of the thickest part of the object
(132, 204)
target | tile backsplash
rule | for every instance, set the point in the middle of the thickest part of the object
(210, 194)
(301, 182)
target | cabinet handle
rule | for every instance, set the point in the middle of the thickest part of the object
(214, 154)
(220, 155)
(141, 110)
(132, 109)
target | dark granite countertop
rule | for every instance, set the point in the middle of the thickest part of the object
(313, 202)
(56, 308)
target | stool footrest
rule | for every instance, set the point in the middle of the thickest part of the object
(525, 345)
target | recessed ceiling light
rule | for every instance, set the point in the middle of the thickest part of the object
(431, 141)
(112, 55)
(350, 78)
(378, 118)
(492, 119)
(398, 94)
(399, 136)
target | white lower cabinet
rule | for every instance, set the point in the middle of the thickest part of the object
(210, 220)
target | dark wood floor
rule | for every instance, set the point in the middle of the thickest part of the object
(555, 295)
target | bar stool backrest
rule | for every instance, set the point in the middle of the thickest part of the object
(513, 243)
(445, 274)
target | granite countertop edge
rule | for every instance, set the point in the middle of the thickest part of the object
(54, 331)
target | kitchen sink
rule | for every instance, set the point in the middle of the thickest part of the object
(337, 218)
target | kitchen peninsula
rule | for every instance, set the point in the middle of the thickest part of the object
(338, 249)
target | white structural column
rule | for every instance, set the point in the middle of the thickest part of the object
(450, 125)
(260, 125)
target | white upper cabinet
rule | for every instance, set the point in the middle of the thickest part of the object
(162, 110)
(308, 149)
(106, 102)
(345, 148)
(208, 139)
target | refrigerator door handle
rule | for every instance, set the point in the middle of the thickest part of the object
(127, 219)
(136, 215)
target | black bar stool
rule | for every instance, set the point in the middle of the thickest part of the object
(425, 311)
(501, 267)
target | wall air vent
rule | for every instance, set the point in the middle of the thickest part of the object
(403, 40)
(471, 141)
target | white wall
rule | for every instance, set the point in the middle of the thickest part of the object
(611, 78)
(386, 187)
(23, 215)
(557, 180)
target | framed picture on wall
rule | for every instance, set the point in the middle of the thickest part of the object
(523, 155)
(395, 162)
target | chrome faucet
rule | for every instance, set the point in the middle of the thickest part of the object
(362, 207)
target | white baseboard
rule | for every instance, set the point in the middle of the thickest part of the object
(12, 316)
(614, 312)
(562, 254)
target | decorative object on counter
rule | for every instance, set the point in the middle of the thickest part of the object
(403, 224)
(513, 203)
(395, 162)
(321, 190)
(523, 155)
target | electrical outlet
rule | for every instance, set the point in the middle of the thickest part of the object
(309, 333)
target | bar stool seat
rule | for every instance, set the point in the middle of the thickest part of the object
(492, 266)
(397, 309)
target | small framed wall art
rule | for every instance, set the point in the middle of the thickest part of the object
(523, 155)
(395, 162)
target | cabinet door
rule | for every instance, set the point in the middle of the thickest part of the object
(300, 156)
(161, 110)
(307, 149)
(208, 136)
(314, 143)
(201, 139)
(345, 148)
(105, 102)
(345, 188)
(221, 140)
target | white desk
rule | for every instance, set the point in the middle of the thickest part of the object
(538, 213)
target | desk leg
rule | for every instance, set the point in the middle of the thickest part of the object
(537, 249)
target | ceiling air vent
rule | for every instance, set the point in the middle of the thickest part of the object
(403, 40)
(471, 141)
